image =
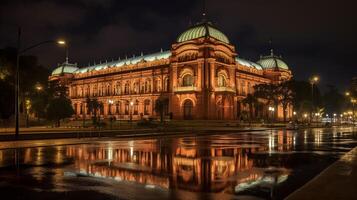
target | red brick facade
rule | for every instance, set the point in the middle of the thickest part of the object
(201, 78)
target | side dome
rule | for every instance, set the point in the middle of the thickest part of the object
(272, 62)
(202, 30)
(65, 68)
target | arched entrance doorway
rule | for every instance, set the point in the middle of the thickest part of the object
(188, 109)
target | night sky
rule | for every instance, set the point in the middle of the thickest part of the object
(313, 36)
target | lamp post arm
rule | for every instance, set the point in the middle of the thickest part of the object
(35, 45)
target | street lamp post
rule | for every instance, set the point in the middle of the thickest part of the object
(110, 103)
(271, 109)
(313, 80)
(20, 51)
(131, 113)
(353, 102)
(334, 118)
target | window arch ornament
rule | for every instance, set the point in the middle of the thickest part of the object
(187, 77)
(222, 78)
(187, 80)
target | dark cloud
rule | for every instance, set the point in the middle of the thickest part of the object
(313, 36)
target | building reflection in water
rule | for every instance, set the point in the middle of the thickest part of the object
(226, 163)
(181, 164)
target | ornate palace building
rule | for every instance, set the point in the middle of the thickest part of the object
(200, 77)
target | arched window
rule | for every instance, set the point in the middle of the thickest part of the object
(157, 85)
(108, 89)
(99, 90)
(136, 88)
(82, 91)
(126, 88)
(88, 91)
(136, 107)
(117, 88)
(146, 106)
(127, 107)
(103, 90)
(166, 85)
(95, 90)
(187, 80)
(147, 86)
(221, 80)
(242, 85)
(117, 108)
(187, 109)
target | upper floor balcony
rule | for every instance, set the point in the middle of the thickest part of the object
(186, 89)
(224, 89)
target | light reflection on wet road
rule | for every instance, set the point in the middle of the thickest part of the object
(267, 165)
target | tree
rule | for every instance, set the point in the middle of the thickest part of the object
(286, 95)
(160, 105)
(268, 92)
(30, 74)
(303, 96)
(6, 100)
(252, 102)
(334, 101)
(93, 105)
(59, 108)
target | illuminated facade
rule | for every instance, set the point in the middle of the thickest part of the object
(200, 77)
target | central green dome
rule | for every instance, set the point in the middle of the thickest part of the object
(272, 62)
(202, 30)
(65, 68)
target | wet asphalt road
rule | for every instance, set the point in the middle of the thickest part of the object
(256, 165)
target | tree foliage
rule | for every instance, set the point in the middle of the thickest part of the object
(252, 101)
(30, 74)
(93, 106)
(59, 108)
(160, 104)
(286, 95)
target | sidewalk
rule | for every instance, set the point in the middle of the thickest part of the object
(339, 181)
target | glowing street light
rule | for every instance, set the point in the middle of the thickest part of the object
(61, 42)
(315, 79)
(38, 87)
